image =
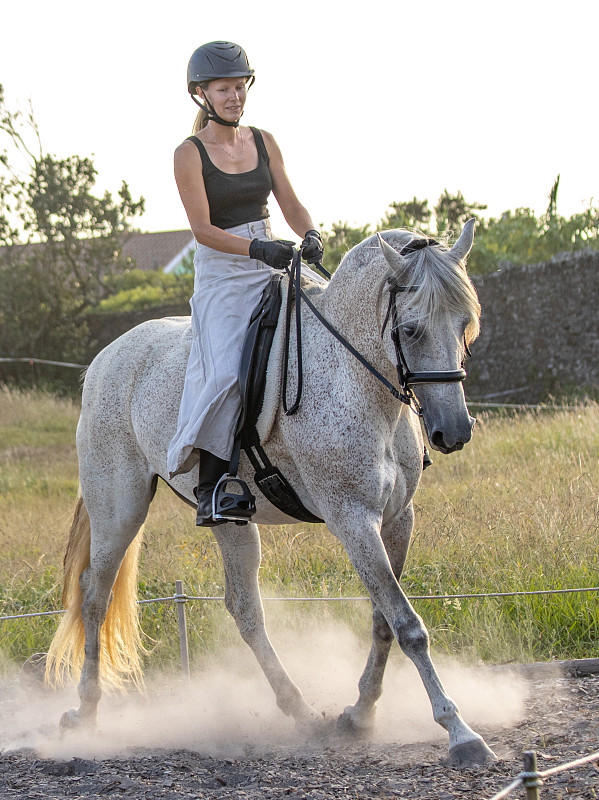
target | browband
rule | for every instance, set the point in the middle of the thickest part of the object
(417, 244)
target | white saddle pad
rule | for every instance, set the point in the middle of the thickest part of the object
(311, 284)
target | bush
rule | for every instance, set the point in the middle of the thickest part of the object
(139, 290)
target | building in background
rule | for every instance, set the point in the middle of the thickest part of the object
(165, 250)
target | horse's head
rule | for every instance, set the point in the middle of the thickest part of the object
(433, 314)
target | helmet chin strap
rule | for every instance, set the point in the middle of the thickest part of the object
(211, 114)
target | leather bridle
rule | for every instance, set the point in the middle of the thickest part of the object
(405, 376)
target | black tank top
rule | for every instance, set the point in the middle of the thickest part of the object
(236, 198)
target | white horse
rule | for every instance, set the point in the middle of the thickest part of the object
(353, 454)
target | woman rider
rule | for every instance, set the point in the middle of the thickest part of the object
(225, 173)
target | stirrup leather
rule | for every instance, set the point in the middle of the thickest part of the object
(232, 506)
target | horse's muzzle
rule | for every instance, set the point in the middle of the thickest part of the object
(449, 439)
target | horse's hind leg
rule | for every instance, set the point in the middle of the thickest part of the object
(240, 548)
(360, 717)
(117, 509)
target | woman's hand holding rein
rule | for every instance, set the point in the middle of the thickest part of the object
(312, 248)
(279, 252)
(276, 253)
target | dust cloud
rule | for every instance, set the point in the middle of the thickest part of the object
(228, 710)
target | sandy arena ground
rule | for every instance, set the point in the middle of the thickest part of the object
(222, 736)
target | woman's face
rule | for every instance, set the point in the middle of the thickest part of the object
(227, 96)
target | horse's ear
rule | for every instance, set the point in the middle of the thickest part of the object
(394, 260)
(464, 244)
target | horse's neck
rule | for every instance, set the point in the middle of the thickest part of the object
(351, 303)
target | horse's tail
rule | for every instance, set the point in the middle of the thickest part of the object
(121, 644)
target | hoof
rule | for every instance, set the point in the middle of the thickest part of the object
(72, 720)
(468, 754)
(351, 725)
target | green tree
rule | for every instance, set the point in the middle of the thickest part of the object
(559, 234)
(452, 211)
(412, 215)
(512, 237)
(60, 243)
(516, 236)
(520, 237)
(137, 289)
(339, 241)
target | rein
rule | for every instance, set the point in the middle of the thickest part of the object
(405, 376)
(295, 282)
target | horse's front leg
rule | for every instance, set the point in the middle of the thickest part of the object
(359, 718)
(240, 548)
(367, 553)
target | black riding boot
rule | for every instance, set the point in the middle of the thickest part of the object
(212, 469)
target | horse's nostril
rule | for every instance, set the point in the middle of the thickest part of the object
(437, 440)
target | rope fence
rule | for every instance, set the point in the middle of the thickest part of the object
(532, 780)
(32, 361)
(539, 406)
(181, 597)
(482, 403)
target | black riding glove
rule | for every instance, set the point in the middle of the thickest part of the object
(312, 248)
(277, 253)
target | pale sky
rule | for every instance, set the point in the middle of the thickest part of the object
(370, 102)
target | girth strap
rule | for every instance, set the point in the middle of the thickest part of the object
(271, 481)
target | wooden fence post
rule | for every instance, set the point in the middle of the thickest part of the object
(532, 783)
(180, 600)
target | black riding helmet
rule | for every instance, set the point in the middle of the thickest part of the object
(217, 60)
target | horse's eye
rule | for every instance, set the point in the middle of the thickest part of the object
(409, 331)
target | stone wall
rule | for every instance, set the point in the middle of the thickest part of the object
(539, 330)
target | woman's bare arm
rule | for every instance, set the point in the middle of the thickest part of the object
(190, 182)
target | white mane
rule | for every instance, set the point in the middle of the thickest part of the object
(443, 283)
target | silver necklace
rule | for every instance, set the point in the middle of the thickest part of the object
(219, 144)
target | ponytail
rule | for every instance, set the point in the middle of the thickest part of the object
(202, 118)
(200, 121)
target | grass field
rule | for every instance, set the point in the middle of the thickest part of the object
(517, 510)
